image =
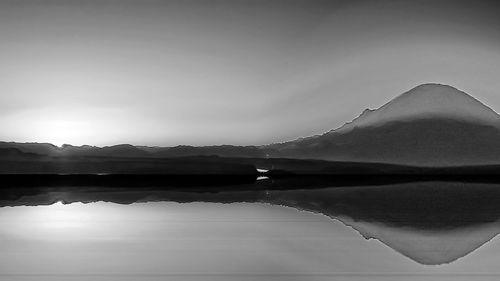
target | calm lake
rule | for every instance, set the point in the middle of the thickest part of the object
(259, 240)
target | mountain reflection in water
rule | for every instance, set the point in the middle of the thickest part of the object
(429, 222)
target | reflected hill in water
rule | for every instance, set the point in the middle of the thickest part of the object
(429, 222)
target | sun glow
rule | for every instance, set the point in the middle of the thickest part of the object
(77, 125)
(58, 126)
(59, 131)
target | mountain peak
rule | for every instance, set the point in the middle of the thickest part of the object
(431, 86)
(433, 92)
(429, 100)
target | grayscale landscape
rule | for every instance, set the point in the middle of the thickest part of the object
(249, 140)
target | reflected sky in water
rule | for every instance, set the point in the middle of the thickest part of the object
(206, 241)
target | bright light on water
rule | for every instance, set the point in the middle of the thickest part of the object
(60, 218)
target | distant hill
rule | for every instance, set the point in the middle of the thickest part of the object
(219, 150)
(37, 148)
(121, 150)
(130, 151)
(14, 153)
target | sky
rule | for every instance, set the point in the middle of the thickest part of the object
(165, 73)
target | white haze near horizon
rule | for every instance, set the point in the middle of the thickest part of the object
(205, 241)
(235, 72)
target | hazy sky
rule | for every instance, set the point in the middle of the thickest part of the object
(239, 72)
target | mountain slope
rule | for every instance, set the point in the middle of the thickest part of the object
(430, 125)
(427, 101)
(425, 142)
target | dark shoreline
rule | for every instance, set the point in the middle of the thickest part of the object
(225, 181)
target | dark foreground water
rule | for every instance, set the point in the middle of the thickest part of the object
(412, 231)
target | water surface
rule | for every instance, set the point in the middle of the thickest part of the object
(262, 235)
